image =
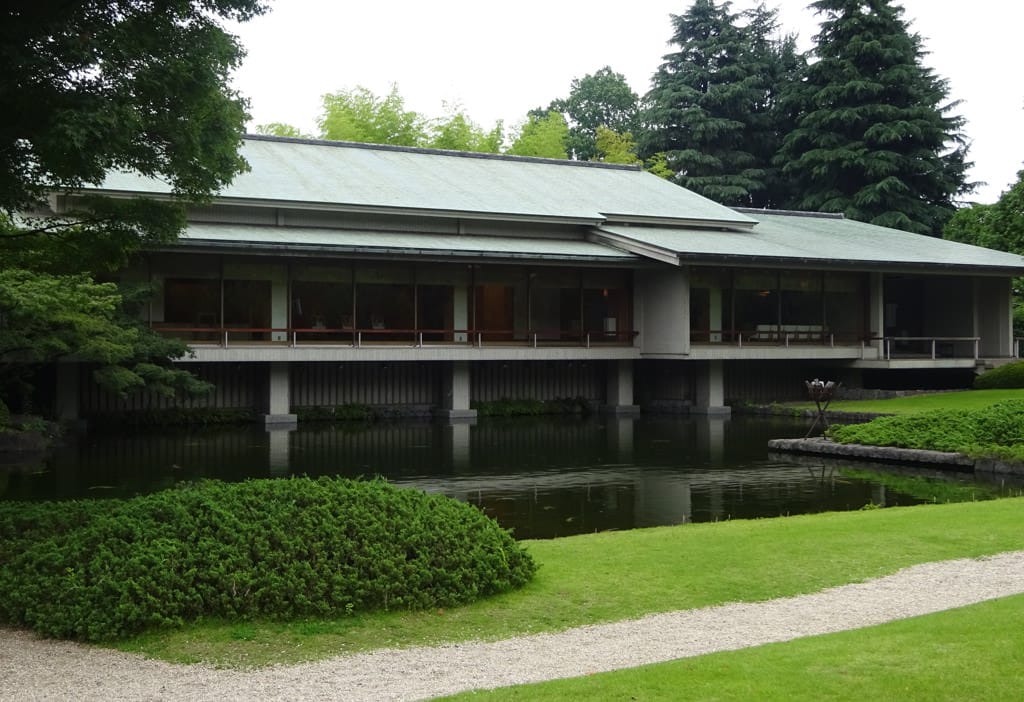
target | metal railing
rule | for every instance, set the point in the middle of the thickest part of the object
(225, 337)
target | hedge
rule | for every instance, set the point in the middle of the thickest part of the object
(271, 549)
(1010, 375)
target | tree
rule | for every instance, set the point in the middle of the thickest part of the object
(710, 106)
(282, 129)
(613, 147)
(360, 115)
(876, 138)
(543, 136)
(998, 226)
(457, 132)
(88, 88)
(601, 99)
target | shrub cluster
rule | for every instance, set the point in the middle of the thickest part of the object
(519, 408)
(174, 416)
(1010, 375)
(274, 549)
(995, 431)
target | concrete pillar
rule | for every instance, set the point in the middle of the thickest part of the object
(279, 396)
(455, 394)
(876, 313)
(279, 307)
(460, 317)
(715, 314)
(710, 384)
(68, 401)
(619, 397)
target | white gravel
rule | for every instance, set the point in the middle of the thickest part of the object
(36, 669)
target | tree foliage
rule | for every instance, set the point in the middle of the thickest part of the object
(360, 115)
(457, 132)
(613, 147)
(543, 136)
(875, 138)
(711, 106)
(89, 88)
(998, 226)
(601, 99)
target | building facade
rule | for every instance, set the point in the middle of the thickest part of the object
(336, 273)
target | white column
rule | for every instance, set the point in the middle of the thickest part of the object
(710, 389)
(279, 307)
(619, 396)
(455, 394)
(876, 312)
(715, 313)
(279, 396)
(460, 317)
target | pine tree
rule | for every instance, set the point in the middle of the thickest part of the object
(875, 138)
(711, 107)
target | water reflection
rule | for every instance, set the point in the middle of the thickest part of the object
(541, 477)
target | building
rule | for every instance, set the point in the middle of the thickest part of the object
(336, 273)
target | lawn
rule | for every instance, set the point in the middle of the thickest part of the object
(962, 399)
(972, 653)
(582, 580)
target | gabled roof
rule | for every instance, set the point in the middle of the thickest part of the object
(791, 238)
(334, 175)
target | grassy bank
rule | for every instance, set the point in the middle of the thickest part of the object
(581, 580)
(964, 654)
(964, 399)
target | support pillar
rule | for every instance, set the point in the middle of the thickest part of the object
(619, 396)
(455, 394)
(279, 396)
(876, 314)
(710, 389)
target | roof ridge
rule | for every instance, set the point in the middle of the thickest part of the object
(790, 213)
(441, 152)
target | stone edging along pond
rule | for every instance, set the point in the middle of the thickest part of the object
(821, 446)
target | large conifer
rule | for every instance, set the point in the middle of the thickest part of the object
(875, 139)
(711, 102)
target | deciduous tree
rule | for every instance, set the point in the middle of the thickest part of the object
(543, 136)
(88, 88)
(601, 99)
(360, 115)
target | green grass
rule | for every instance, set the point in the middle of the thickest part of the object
(966, 399)
(618, 575)
(973, 653)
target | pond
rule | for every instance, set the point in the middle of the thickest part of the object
(542, 477)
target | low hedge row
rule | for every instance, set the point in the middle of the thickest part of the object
(525, 408)
(274, 549)
(996, 431)
(1007, 376)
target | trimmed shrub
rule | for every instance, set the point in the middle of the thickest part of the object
(996, 431)
(1007, 376)
(527, 408)
(272, 549)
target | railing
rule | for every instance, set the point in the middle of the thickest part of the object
(779, 335)
(358, 338)
(931, 347)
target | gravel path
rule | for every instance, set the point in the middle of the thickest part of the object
(34, 669)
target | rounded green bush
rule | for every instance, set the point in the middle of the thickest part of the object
(1007, 376)
(275, 549)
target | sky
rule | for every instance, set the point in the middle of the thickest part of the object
(500, 60)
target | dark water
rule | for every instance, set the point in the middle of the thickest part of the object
(540, 477)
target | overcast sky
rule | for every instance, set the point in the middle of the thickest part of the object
(499, 60)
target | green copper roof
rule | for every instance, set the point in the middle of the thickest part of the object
(342, 175)
(344, 241)
(799, 238)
